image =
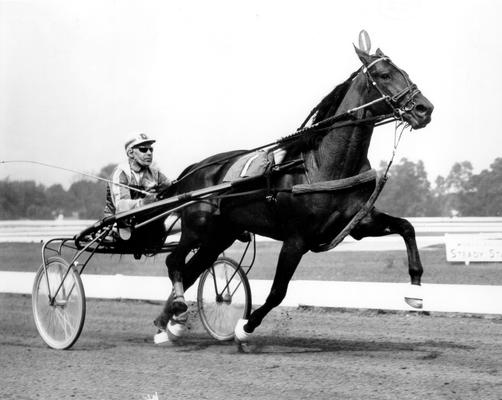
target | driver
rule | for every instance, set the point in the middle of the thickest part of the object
(137, 173)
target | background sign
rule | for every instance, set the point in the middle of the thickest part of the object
(473, 247)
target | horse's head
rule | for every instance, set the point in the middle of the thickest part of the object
(393, 86)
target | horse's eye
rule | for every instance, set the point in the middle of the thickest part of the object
(385, 77)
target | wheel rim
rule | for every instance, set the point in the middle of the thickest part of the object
(223, 298)
(59, 322)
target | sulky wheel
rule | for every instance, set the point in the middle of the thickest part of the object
(223, 297)
(59, 320)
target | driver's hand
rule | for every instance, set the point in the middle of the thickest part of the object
(148, 199)
(162, 190)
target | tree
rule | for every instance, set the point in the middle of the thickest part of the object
(454, 190)
(26, 199)
(23, 199)
(89, 198)
(407, 192)
(441, 199)
(107, 171)
(59, 200)
(483, 193)
(457, 180)
(7, 201)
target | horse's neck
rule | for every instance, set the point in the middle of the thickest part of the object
(343, 152)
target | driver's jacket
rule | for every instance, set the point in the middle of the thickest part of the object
(120, 198)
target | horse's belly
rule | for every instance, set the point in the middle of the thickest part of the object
(323, 216)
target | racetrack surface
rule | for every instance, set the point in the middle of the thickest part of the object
(297, 354)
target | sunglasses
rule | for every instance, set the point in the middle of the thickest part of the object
(144, 149)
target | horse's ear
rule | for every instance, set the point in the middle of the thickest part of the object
(364, 41)
(363, 56)
(379, 53)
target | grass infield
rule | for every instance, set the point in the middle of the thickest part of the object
(364, 266)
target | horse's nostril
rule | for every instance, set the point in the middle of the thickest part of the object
(421, 109)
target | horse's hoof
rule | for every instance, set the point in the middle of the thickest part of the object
(241, 336)
(414, 297)
(161, 337)
(177, 325)
(175, 330)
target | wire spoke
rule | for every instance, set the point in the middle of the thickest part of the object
(65, 322)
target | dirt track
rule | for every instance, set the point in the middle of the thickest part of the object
(297, 354)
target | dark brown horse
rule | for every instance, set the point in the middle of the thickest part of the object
(333, 149)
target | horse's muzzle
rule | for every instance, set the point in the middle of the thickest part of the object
(420, 115)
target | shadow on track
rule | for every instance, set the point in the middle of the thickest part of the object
(273, 345)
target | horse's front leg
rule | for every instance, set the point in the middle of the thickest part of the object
(377, 223)
(291, 253)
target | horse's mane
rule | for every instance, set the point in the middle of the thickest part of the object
(327, 107)
(330, 103)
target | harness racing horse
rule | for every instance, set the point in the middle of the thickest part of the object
(333, 149)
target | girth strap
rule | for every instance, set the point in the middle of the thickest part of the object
(339, 184)
(355, 219)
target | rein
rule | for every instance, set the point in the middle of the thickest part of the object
(338, 121)
(345, 119)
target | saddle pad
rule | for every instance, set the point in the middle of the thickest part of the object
(253, 164)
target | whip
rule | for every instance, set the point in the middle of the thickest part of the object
(74, 171)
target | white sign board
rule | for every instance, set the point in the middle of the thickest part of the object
(481, 247)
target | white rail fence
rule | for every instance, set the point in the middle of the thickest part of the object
(472, 299)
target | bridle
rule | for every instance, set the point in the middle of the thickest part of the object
(395, 102)
(400, 103)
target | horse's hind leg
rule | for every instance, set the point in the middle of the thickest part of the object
(174, 262)
(173, 316)
(377, 223)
